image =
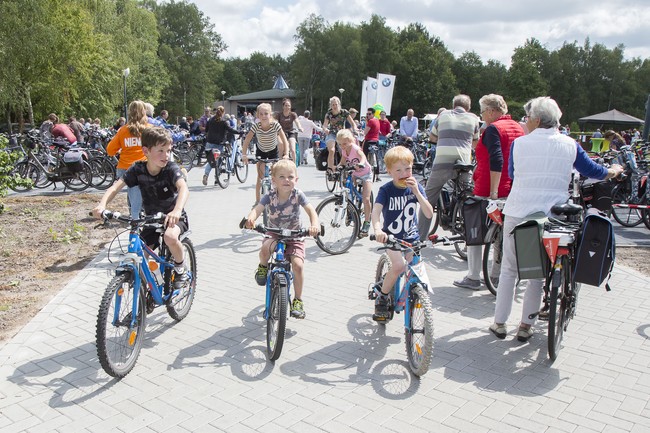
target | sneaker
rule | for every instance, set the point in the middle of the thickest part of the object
(180, 279)
(499, 329)
(382, 309)
(524, 334)
(260, 275)
(205, 179)
(364, 229)
(468, 283)
(297, 309)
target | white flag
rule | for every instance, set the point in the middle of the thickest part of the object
(371, 92)
(385, 87)
(364, 98)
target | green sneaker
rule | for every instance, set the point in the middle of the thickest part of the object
(297, 309)
(364, 229)
(260, 275)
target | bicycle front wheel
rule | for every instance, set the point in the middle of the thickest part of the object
(181, 301)
(119, 344)
(492, 256)
(27, 171)
(627, 217)
(241, 168)
(458, 227)
(341, 225)
(221, 174)
(557, 313)
(331, 180)
(419, 333)
(103, 172)
(276, 321)
(383, 266)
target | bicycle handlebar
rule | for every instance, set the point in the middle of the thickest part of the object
(285, 233)
(108, 215)
(393, 243)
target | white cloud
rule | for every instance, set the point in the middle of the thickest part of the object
(464, 25)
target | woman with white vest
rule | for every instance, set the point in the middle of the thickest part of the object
(540, 167)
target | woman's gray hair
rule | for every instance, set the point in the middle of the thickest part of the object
(546, 110)
(496, 102)
(149, 109)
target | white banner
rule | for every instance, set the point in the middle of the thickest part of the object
(364, 98)
(371, 93)
(385, 87)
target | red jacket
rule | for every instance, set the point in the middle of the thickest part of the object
(508, 130)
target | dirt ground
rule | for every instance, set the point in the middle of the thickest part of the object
(46, 240)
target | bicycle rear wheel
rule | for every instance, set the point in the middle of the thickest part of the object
(276, 321)
(221, 173)
(119, 345)
(342, 225)
(331, 179)
(557, 313)
(181, 301)
(26, 171)
(419, 334)
(241, 168)
(80, 180)
(627, 217)
(458, 228)
(103, 172)
(492, 256)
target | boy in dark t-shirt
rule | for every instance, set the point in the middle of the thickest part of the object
(397, 204)
(163, 188)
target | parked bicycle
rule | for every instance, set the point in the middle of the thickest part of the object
(342, 214)
(278, 287)
(410, 294)
(449, 208)
(630, 197)
(143, 281)
(493, 251)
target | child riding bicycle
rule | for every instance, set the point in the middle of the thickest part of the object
(163, 188)
(397, 202)
(284, 202)
(352, 154)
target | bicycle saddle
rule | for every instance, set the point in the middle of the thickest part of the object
(566, 209)
(463, 166)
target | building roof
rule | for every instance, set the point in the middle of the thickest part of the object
(613, 117)
(264, 95)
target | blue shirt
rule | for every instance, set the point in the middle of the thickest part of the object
(408, 128)
(399, 211)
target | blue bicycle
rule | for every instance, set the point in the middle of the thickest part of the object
(410, 294)
(228, 161)
(278, 287)
(342, 214)
(143, 280)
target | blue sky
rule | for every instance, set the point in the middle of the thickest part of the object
(492, 29)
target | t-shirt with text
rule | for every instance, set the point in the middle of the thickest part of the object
(399, 211)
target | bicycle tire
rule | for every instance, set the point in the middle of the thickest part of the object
(180, 304)
(627, 217)
(341, 226)
(383, 266)
(80, 180)
(458, 227)
(118, 346)
(646, 217)
(492, 256)
(221, 175)
(426, 170)
(276, 321)
(419, 335)
(27, 171)
(557, 311)
(330, 182)
(241, 169)
(103, 173)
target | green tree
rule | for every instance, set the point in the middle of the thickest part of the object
(468, 70)
(525, 77)
(380, 43)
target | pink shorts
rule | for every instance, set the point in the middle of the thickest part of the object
(295, 248)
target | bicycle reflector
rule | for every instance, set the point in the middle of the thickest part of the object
(216, 153)
(551, 242)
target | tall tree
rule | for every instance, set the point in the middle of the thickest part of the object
(525, 77)
(309, 58)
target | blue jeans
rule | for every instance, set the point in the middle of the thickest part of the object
(211, 162)
(133, 194)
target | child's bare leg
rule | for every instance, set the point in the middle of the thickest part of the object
(397, 267)
(265, 251)
(174, 244)
(258, 183)
(298, 265)
(367, 206)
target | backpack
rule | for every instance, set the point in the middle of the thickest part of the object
(476, 220)
(596, 250)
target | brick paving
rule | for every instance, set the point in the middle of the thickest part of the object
(339, 371)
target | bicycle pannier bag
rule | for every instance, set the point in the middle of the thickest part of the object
(596, 251)
(532, 260)
(73, 159)
(598, 195)
(476, 220)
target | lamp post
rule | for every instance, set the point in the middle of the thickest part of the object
(125, 73)
(341, 90)
(223, 97)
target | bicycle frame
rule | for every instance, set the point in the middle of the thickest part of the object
(278, 265)
(403, 285)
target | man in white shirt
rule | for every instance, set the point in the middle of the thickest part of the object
(408, 127)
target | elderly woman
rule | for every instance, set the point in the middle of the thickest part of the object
(540, 166)
(335, 119)
(491, 178)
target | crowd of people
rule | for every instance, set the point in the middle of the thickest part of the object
(528, 164)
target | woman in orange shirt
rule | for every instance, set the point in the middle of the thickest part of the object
(127, 143)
